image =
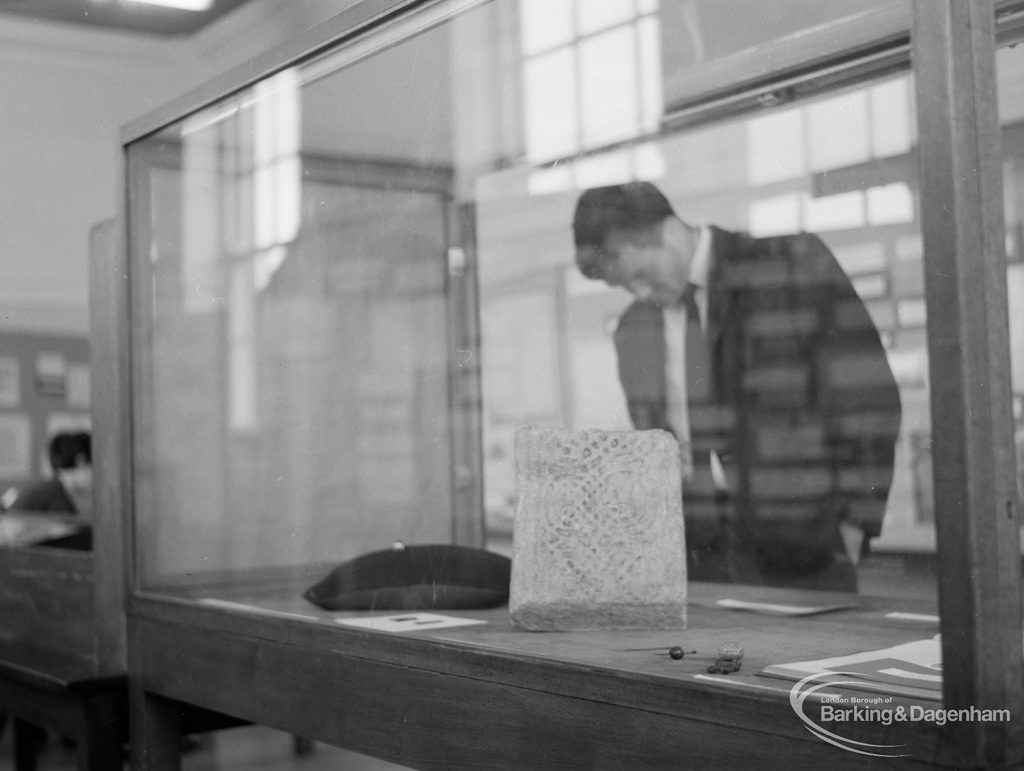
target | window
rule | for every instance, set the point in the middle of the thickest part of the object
(591, 78)
(831, 148)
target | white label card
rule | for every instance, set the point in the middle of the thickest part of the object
(774, 609)
(408, 622)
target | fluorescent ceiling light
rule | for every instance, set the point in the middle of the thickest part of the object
(183, 5)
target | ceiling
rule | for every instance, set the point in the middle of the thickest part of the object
(120, 14)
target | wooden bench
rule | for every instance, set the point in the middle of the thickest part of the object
(70, 699)
(51, 673)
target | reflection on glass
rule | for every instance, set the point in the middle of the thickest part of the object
(834, 212)
(597, 82)
(303, 337)
(549, 85)
(701, 34)
(598, 16)
(608, 87)
(545, 24)
(649, 76)
(276, 168)
(837, 131)
(296, 355)
(775, 216)
(891, 105)
(777, 147)
(1011, 111)
(749, 175)
(890, 204)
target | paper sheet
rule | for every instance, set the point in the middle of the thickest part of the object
(408, 622)
(911, 669)
(776, 609)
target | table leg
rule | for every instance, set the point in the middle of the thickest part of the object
(102, 751)
(27, 738)
(155, 727)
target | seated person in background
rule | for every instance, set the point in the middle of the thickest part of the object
(759, 356)
(69, 490)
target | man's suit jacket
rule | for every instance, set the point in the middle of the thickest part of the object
(803, 412)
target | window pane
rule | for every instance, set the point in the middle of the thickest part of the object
(775, 216)
(649, 86)
(604, 169)
(892, 111)
(545, 24)
(837, 132)
(890, 204)
(744, 175)
(324, 269)
(549, 87)
(1011, 111)
(759, 37)
(298, 394)
(777, 146)
(592, 16)
(834, 212)
(608, 87)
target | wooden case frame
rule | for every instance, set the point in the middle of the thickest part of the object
(544, 707)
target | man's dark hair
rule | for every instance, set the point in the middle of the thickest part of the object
(601, 210)
(68, 449)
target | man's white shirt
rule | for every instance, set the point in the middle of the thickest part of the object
(676, 321)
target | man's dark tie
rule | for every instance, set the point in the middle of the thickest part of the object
(698, 363)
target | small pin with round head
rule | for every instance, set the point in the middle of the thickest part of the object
(675, 652)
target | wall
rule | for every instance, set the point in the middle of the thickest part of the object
(65, 93)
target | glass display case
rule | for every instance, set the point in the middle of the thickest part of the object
(353, 270)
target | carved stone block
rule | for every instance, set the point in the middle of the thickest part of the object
(598, 540)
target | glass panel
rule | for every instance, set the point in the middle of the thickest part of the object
(891, 129)
(304, 353)
(777, 147)
(1010, 80)
(713, 44)
(549, 86)
(545, 24)
(749, 175)
(608, 87)
(649, 86)
(734, 25)
(296, 358)
(837, 131)
(597, 16)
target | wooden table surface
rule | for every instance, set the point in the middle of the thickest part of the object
(857, 624)
(549, 696)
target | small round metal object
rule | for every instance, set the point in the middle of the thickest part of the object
(676, 652)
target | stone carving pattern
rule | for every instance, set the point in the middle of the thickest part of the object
(602, 528)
